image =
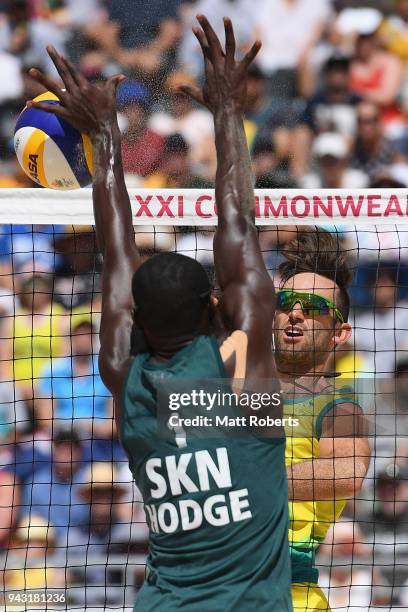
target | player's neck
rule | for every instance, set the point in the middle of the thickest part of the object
(307, 378)
(163, 349)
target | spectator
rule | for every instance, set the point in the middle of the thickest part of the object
(102, 535)
(22, 457)
(26, 36)
(12, 86)
(393, 32)
(140, 23)
(268, 117)
(376, 74)
(10, 493)
(375, 327)
(391, 508)
(289, 30)
(77, 278)
(53, 491)
(387, 407)
(372, 152)
(30, 563)
(239, 11)
(268, 168)
(35, 333)
(71, 391)
(176, 171)
(140, 36)
(14, 418)
(332, 109)
(263, 158)
(333, 172)
(347, 583)
(179, 115)
(142, 147)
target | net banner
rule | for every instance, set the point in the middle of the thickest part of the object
(63, 471)
(196, 207)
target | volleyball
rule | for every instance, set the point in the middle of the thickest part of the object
(50, 151)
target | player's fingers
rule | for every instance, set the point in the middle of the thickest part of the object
(55, 109)
(47, 82)
(230, 44)
(202, 39)
(115, 81)
(62, 68)
(212, 38)
(251, 55)
(192, 92)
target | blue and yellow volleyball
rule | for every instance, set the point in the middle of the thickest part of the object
(50, 151)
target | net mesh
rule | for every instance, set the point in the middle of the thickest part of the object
(61, 462)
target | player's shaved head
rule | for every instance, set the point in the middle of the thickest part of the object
(171, 292)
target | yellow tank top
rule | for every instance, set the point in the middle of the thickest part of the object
(35, 341)
(309, 522)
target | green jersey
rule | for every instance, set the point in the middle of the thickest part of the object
(217, 508)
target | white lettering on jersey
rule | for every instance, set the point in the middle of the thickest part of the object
(156, 478)
(177, 474)
(169, 477)
(206, 465)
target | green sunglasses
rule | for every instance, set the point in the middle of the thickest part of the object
(312, 304)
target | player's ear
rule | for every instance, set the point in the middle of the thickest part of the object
(342, 334)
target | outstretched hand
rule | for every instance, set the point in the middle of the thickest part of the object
(225, 77)
(86, 106)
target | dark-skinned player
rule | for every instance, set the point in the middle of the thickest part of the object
(217, 507)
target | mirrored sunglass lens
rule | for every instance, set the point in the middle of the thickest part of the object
(321, 305)
(284, 300)
(315, 306)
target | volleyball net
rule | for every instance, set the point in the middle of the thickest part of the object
(71, 519)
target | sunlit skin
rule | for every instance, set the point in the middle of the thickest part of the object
(309, 352)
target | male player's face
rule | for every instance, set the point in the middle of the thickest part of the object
(303, 339)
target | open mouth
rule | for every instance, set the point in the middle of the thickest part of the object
(291, 332)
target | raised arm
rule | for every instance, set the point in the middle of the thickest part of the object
(91, 109)
(247, 290)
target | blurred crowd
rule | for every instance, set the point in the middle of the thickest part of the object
(327, 107)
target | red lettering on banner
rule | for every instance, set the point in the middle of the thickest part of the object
(257, 207)
(180, 206)
(165, 206)
(373, 204)
(198, 209)
(293, 205)
(281, 211)
(350, 203)
(144, 206)
(393, 207)
(326, 207)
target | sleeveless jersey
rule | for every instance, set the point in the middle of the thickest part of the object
(311, 520)
(216, 507)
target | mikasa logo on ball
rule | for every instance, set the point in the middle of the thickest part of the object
(33, 167)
